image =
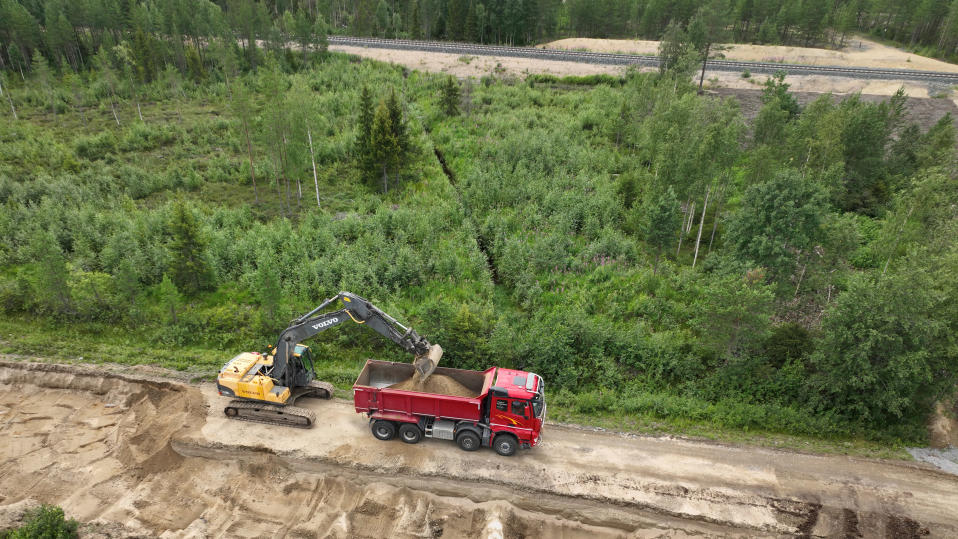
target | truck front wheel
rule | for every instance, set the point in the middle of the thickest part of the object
(410, 433)
(468, 441)
(384, 430)
(505, 444)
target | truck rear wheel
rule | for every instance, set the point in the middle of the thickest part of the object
(468, 441)
(410, 433)
(505, 444)
(384, 430)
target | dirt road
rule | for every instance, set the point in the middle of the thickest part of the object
(136, 456)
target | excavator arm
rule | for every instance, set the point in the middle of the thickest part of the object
(358, 310)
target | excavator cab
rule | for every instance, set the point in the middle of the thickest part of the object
(306, 372)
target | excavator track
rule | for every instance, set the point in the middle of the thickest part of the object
(320, 390)
(258, 412)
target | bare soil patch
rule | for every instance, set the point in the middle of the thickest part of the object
(924, 111)
(858, 52)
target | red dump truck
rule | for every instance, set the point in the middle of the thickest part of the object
(505, 410)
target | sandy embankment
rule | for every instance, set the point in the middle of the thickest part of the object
(158, 458)
(871, 55)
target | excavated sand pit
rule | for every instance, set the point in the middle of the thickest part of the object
(140, 457)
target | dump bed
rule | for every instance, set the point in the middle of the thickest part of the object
(372, 391)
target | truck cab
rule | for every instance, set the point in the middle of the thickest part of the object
(516, 406)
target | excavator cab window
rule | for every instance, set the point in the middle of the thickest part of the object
(305, 357)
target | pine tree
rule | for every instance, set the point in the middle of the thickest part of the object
(450, 96)
(188, 266)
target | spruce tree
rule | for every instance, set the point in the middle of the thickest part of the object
(365, 123)
(385, 147)
(188, 266)
(397, 120)
(450, 96)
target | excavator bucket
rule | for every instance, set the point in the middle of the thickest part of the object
(426, 363)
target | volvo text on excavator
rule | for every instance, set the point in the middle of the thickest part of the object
(265, 387)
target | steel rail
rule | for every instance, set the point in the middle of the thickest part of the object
(603, 58)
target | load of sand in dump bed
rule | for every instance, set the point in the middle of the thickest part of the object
(436, 383)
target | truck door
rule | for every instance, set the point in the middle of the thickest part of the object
(509, 414)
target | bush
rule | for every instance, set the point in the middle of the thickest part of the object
(95, 147)
(44, 522)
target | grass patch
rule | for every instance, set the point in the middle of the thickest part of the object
(654, 425)
(101, 344)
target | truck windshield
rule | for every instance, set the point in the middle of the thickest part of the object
(538, 401)
(538, 405)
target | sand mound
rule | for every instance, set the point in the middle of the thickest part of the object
(436, 383)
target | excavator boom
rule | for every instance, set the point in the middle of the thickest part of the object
(358, 310)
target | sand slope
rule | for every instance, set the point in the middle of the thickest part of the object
(160, 459)
(859, 52)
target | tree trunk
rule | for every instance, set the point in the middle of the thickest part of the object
(313, 159)
(385, 181)
(715, 220)
(688, 205)
(705, 61)
(800, 277)
(698, 239)
(299, 183)
(249, 149)
(12, 109)
(113, 107)
(139, 112)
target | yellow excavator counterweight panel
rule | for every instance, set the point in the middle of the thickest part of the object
(242, 375)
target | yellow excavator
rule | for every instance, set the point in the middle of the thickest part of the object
(266, 386)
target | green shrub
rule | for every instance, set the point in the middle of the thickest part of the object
(95, 147)
(44, 522)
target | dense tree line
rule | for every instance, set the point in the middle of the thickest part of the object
(140, 38)
(153, 33)
(932, 24)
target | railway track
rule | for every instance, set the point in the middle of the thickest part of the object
(602, 58)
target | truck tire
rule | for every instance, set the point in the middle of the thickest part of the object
(505, 444)
(409, 433)
(468, 441)
(384, 430)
